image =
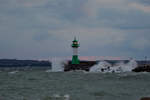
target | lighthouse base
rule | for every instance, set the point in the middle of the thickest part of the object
(75, 59)
(84, 65)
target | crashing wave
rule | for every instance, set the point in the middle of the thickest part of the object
(57, 65)
(106, 67)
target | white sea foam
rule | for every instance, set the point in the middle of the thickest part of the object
(56, 96)
(61, 97)
(67, 97)
(106, 67)
(48, 71)
(13, 72)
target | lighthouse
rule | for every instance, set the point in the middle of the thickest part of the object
(75, 45)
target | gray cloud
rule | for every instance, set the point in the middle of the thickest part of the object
(45, 28)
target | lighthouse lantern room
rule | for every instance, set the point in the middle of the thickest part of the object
(75, 45)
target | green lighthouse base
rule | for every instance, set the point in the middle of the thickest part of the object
(75, 59)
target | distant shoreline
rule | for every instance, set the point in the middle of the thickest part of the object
(24, 63)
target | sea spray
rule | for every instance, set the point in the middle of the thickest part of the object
(57, 64)
(132, 64)
(58, 97)
(100, 67)
(105, 67)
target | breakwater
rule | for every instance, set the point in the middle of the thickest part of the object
(142, 66)
(84, 65)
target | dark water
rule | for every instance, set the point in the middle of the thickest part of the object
(41, 85)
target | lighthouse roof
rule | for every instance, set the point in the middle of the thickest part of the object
(75, 40)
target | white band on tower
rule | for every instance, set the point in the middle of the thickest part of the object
(75, 51)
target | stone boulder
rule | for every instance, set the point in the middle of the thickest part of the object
(145, 98)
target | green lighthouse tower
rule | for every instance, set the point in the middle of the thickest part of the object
(75, 45)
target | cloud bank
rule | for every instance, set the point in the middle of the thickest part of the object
(33, 29)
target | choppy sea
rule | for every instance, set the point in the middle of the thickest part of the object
(47, 85)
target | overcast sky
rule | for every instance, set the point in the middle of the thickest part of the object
(36, 29)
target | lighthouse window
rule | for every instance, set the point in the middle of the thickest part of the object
(75, 43)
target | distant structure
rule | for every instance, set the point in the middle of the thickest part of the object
(75, 45)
